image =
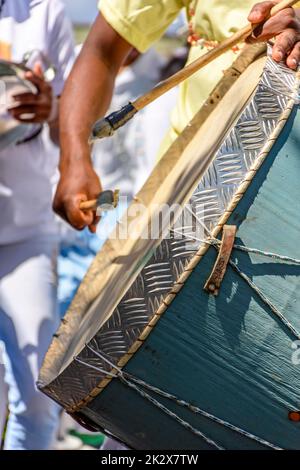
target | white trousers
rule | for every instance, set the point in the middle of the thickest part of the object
(28, 319)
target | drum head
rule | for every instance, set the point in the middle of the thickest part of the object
(114, 276)
(13, 82)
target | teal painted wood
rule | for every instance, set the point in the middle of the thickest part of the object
(228, 355)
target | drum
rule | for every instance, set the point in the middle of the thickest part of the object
(187, 338)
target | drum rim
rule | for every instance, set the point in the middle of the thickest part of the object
(183, 278)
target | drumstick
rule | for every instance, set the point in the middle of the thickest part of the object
(107, 200)
(105, 127)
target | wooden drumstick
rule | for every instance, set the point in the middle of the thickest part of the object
(89, 205)
(106, 200)
(105, 127)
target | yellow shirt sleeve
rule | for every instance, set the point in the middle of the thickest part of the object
(141, 22)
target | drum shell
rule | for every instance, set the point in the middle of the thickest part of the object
(228, 355)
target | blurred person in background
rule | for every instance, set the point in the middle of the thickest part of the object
(122, 25)
(28, 239)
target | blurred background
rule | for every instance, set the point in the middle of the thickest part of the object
(83, 13)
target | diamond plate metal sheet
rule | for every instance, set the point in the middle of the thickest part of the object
(212, 196)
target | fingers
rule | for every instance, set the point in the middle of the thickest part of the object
(39, 82)
(32, 108)
(26, 98)
(93, 226)
(68, 207)
(78, 183)
(293, 59)
(284, 44)
(260, 12)
(283, 21)
(69, 210)
(78, 218)
(284, 26)
(29, 109)
(30, 114)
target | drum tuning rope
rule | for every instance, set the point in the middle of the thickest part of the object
(134, 383)
(211, 240)
(267, 254)
(215, 242)
(265, 299)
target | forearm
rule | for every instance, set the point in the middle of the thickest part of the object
(86, 97)
(88, 91)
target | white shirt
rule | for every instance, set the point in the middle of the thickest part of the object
(26, 169)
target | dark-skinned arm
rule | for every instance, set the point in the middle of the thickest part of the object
(86, 97)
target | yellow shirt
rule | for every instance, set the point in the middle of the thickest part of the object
(142, 22)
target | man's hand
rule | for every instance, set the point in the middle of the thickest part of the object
(285, 26)
(85, 99)
(30, 108)
(78, 183)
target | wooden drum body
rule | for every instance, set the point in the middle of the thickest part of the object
(145, 352)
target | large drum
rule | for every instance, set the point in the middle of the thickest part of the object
(145, 351)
